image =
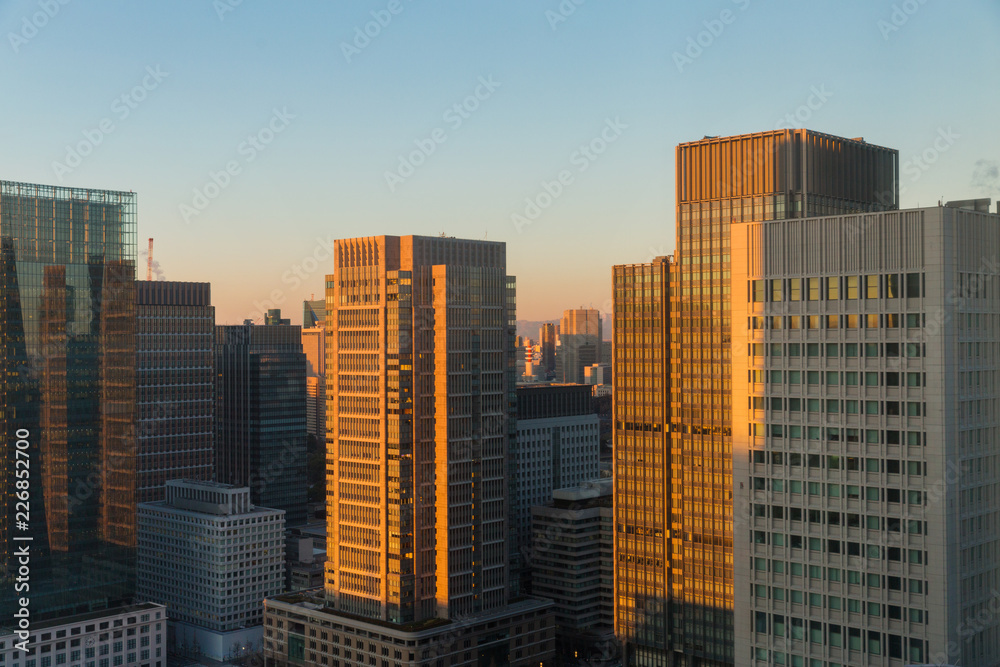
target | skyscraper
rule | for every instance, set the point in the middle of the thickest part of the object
(581, 339)
(865, 438)
(420, 420)
(175, 384)
(547, 340)
(314, 346)
(260, 435)
(313, 313)
(681, 331)
(67, 258)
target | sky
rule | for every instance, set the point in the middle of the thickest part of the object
(257, 133)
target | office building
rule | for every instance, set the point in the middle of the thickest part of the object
(305, 557)
(314, 347)
(865, 412)
(420, 421)
(596, 374)
(175, 384)
(572, 564)
(313, 313)
(211, 556)
(673, 341)
(67, 258)
(129, 635)
(558, 445)
(547, 341)
(580, 341)
(273, 318)
(260, 435)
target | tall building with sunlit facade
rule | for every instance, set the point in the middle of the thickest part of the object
(673, 342)
(421, 413)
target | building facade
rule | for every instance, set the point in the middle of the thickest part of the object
(865, 448)
(67, 258)
(558, 445)
(420, 422)
(299, 630)
(211, 556)
(547, 342)
(581, 339)
(131, 635)
(175, 384)
(686, 330)
(572, 564)
(260, 434)
(314, 347)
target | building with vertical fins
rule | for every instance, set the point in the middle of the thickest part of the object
(67, 261)
(420, 420)
(674, 326)
(175, 384)
(260, 433)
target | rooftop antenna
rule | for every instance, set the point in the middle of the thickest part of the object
(149, 261)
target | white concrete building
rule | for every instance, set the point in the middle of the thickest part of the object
(865, 445)
(211, 557)
(133, 635)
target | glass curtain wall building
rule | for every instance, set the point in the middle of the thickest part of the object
(67, 258)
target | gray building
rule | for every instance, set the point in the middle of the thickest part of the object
(210, 556)
(865, 392)
(134, 634)
(572, 563)
(558, 445)
(175, 384)
(261, 408)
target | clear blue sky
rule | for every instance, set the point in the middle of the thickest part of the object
(345, 115)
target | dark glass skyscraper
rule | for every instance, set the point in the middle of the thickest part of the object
(175, 385)
(67, 260)
(260, 437)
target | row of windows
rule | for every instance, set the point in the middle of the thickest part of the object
(834, 288)
(850, 407)
(836, 462)
(849, 491)
(832, 635)
(836, 434)
(838, 547)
